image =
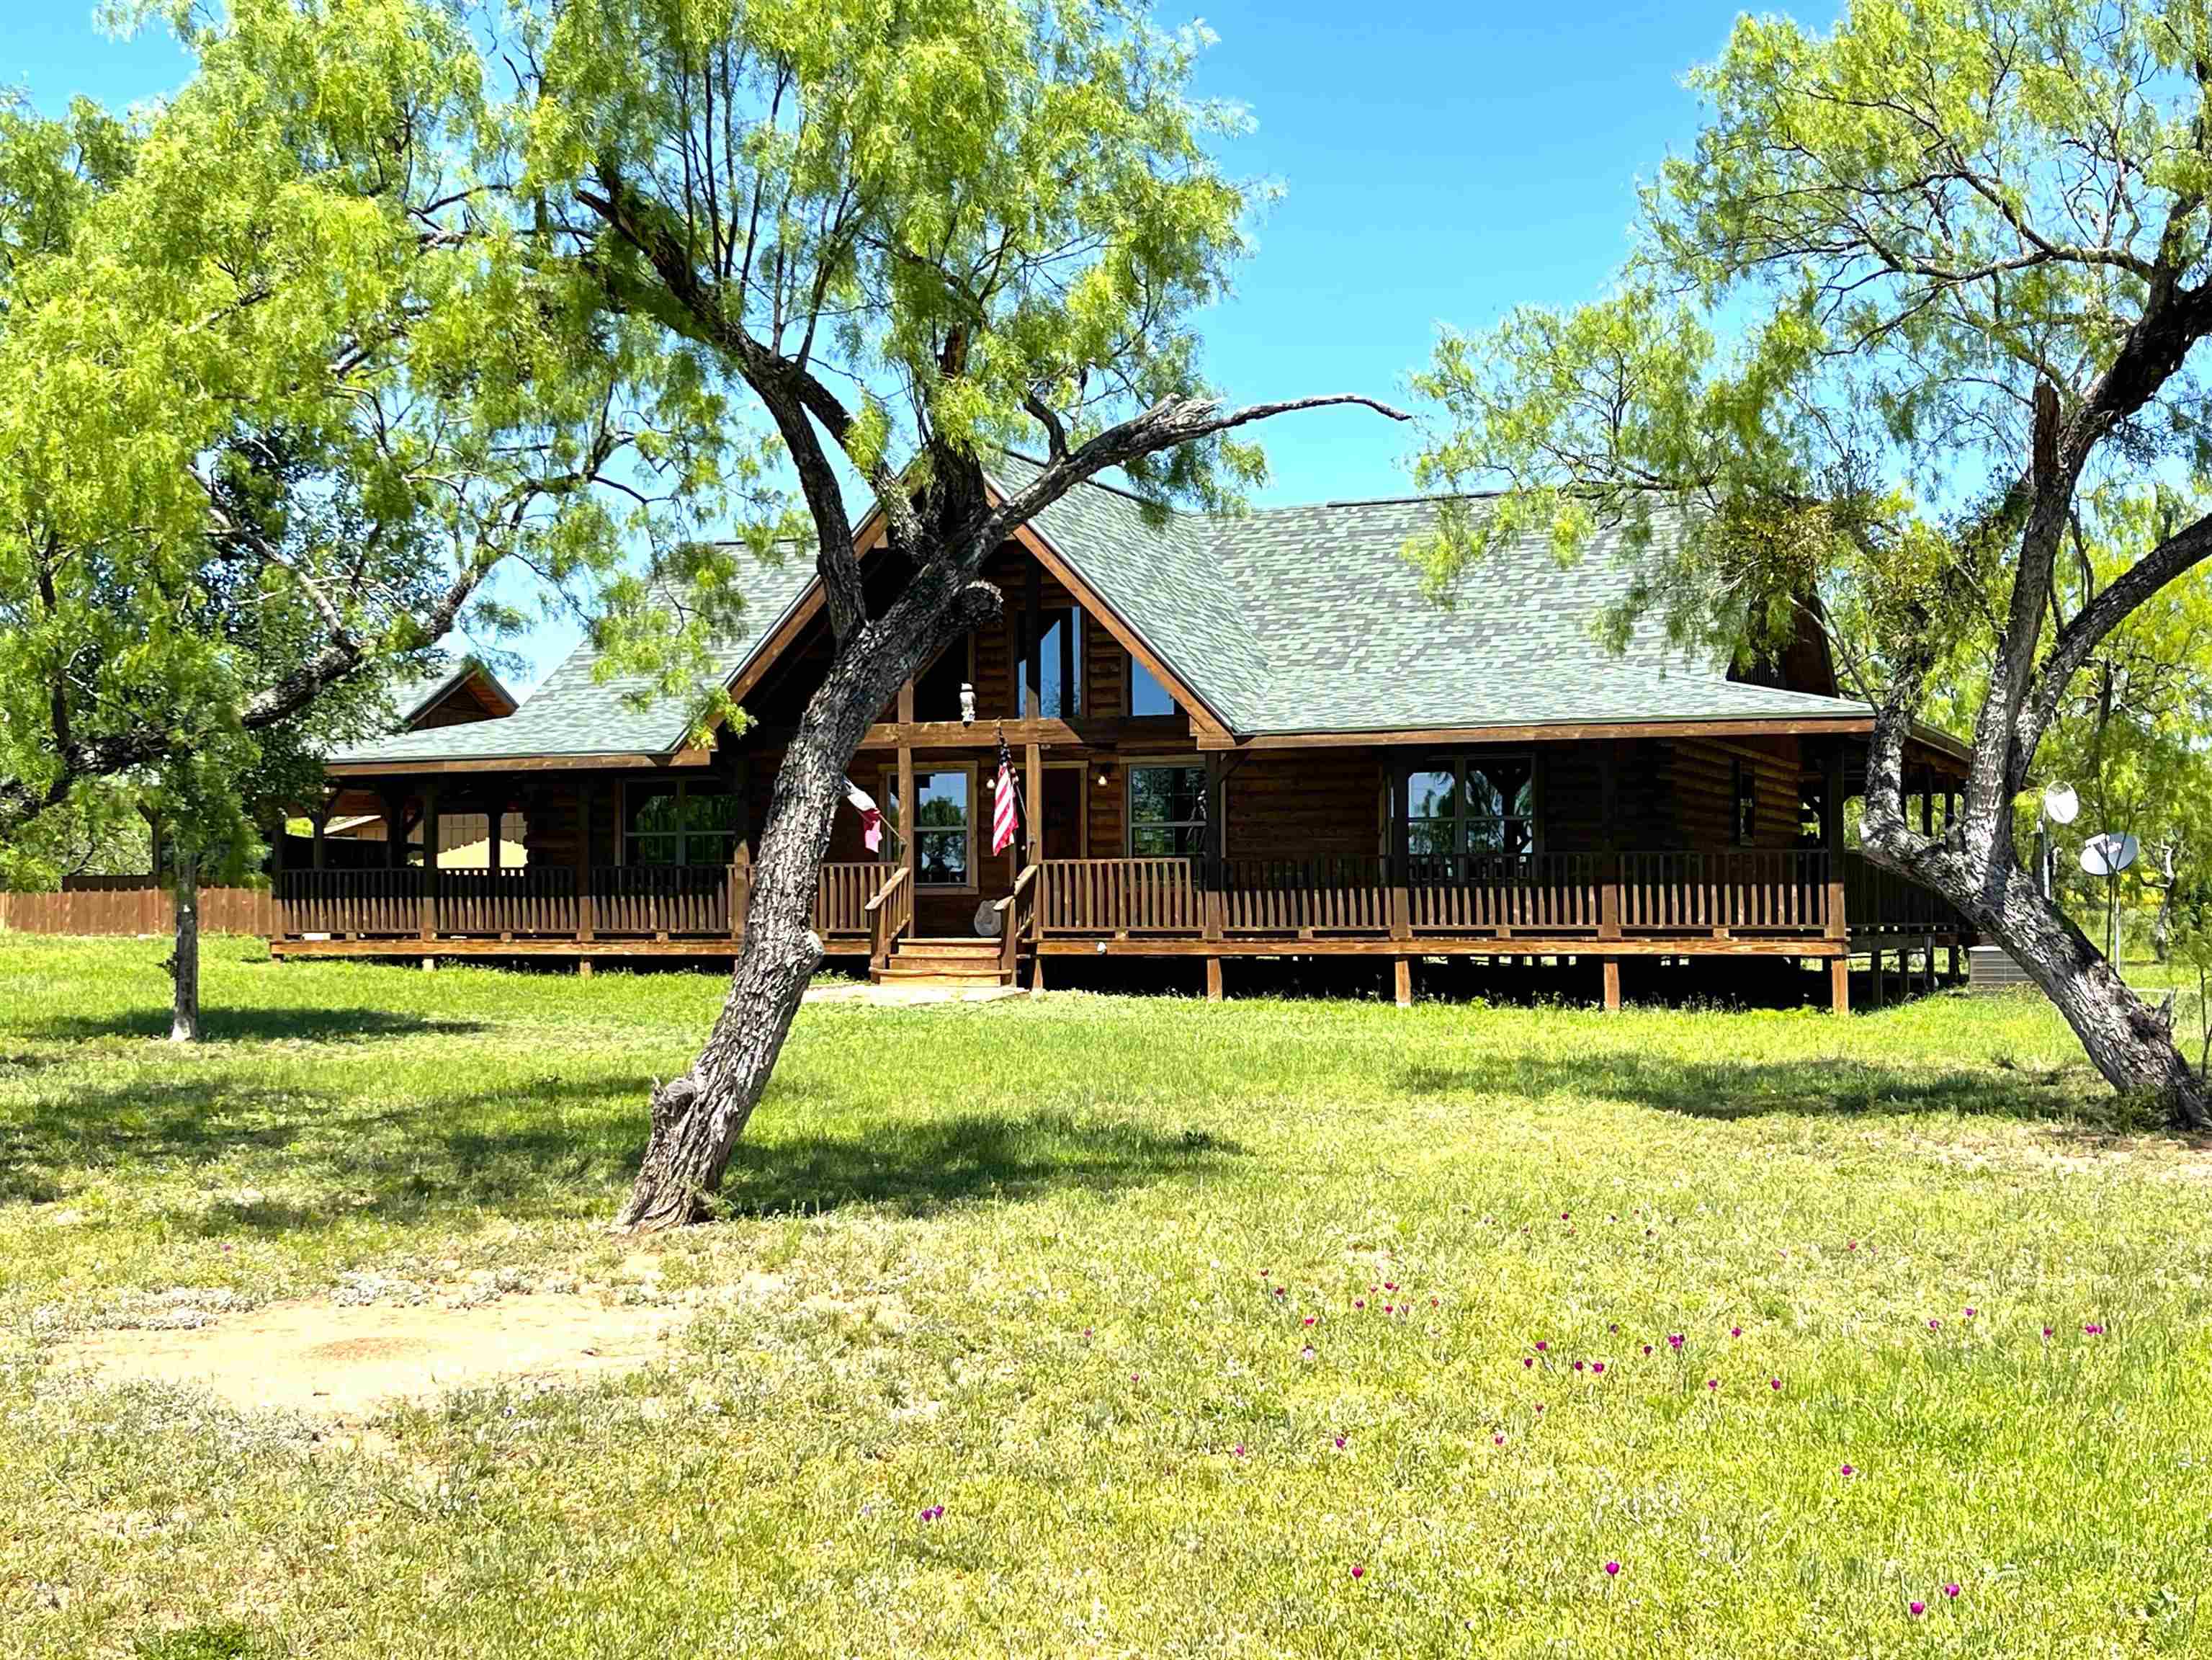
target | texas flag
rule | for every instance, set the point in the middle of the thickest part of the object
(872, 816)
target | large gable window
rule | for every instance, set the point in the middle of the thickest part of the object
(1167, 811)
(1059, 664)
(1468, 806)
(1147, 694)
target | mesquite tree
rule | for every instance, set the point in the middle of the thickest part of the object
(907, 235)
(1924, 284)
(283, 386)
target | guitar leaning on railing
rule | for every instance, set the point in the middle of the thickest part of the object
(1016, 913)
(891, 914)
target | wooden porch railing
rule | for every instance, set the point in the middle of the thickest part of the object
(1323, 895)
(1118, 895)
(531, 903)
(1743, 890)
(370, 903)
(1557, 893)
(1568, 895)
(841, 895)
(680, 901)
(1879, 901)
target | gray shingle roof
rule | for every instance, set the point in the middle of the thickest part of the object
(1311, 619)
(412, 695)
(1302, 619)
(574, 713)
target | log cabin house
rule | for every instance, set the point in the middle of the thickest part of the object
(1237, 737)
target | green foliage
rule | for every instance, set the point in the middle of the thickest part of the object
(285, 384)
(945, 212)
(99, 830)
(1816, 379)
(1009, 1258)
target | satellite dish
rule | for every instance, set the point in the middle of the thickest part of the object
(2060, 805)
(2110, 853)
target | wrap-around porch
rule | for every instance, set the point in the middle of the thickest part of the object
(1805, 904)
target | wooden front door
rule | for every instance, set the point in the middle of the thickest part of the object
(1063, 813)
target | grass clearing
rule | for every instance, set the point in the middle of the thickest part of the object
(1050, 1265)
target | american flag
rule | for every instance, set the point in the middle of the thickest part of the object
(1003, 809)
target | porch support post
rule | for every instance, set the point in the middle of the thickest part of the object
(495, 816)
(1033, 801)
(395, 829)
(1613, 985)
(1211, 897)
(586, 922)
(740, 874)
(1213, 979)
(1608, 901)
(1839, 985)
(429, 864)
(906, 814)
(1402, 899)
(322, 816)
(1404, 978)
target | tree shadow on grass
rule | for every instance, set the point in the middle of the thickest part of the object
(546, 1148)
(1833, 1088)
(255, 1025)
(919, 1167)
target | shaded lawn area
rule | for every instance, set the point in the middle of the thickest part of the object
(1052, 1266)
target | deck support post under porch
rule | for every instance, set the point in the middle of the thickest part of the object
(1613, 985)
(1404, 978)
(429, 865)
(1212, 977)
(1839, 985)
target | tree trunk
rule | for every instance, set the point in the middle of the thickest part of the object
(2130, 1042)
(697, 1118)
(185, 958)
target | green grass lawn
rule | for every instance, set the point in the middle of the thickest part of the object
(1266, 1328)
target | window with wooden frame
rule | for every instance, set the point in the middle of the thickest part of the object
(680, 823)
(1167, 810)
(944, 827)
(1468, 806)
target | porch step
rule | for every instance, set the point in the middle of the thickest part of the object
(948, 951)
(927, 975)
(950, 963)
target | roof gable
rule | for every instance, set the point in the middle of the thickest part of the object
(1300, 620)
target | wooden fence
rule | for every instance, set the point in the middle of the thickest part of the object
(111, 908)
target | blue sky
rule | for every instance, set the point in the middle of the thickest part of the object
(1441, 163)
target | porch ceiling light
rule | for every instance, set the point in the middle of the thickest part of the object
(967, 705)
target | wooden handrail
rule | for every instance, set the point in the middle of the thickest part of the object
(1010, 922)
(898, 875)
(890, 915)
(1028, 876)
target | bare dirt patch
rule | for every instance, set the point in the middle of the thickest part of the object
(332, 1358)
